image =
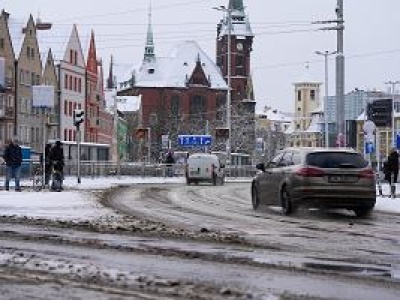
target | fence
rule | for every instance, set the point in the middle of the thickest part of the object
(103, 169)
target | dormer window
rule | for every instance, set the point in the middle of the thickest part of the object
(150, 71)
(185, 64)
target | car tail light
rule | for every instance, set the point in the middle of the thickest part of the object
(310, 172)
(368, 173)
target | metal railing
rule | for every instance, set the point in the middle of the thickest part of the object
(95, 169)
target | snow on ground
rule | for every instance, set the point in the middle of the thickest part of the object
(78, 203)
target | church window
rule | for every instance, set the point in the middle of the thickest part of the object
(175, 106)
(240, 65)
(220, 108)
(197, 107)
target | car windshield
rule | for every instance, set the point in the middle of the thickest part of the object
(336, 160)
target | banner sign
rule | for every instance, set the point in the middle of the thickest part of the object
(43, 96)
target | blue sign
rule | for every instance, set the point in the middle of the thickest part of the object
(398, 140)
(369, 147)
(194, 140)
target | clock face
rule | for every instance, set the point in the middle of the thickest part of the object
(239, 46)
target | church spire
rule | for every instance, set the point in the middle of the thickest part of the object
(110, 79)
(236, 5)
(149, 49)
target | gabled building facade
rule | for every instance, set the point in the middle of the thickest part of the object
(93, 98)
(7, 88)
(29, 119)
(72, 76)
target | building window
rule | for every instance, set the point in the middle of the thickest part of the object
(175, 106)
(220, 108)
(75, 58)
(298, 95)
(71, 56)
(312, 94)
(66, 107)
(28, 52)
(80, 85)
(66, 81)
(1, 43)
(197, 107)
(65, 134)
(32, 53)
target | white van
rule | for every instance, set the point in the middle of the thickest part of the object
(204, 167)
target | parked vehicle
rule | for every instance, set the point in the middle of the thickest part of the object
(204, 167)
(316, 177)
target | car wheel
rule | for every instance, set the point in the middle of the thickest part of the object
(362, 212)
(255, 198)
(287, 206)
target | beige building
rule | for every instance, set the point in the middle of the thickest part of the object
(307, 109)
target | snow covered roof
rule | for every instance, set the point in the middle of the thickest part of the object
(276, 116)
(174, 70)
(315, 125)
(291, 128)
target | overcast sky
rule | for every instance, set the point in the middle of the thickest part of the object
(284, 39)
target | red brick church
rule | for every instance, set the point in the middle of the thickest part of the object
(186, 92)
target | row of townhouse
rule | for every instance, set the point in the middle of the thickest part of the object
(38, 53)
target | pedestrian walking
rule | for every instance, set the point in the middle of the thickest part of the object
(13, 159)
(391, 170)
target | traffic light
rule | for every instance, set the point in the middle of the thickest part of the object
(141, 133)
(78, 116)
(222, 133)
(380, 112)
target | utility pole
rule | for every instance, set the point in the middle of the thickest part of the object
(393, 84)
(340, 68)
(326, 123)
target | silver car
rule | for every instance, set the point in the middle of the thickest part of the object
(316, 177)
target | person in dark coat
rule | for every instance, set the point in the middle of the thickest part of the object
(170, 161)
(57, 158)
(391, 170)
(13, 159)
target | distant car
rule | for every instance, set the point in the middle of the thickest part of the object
(204, 167)
(316, 177)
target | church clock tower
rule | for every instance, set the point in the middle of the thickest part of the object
(241, 37)
(234, 30)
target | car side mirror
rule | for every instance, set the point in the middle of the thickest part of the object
(260, 167)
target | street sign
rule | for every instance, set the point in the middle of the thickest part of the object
(369, 127)
(369, 147)
(398, 140)
(165, 141)
(194, 140)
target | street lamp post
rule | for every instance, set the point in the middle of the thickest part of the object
(228, 95)
(326, 123)
(393, 84)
